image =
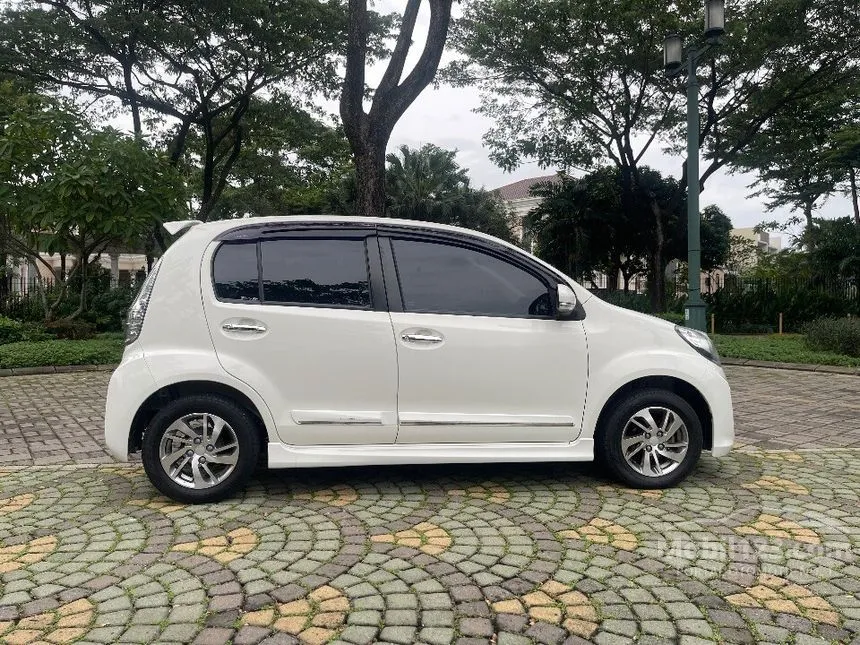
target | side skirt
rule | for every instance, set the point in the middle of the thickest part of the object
(288, 456)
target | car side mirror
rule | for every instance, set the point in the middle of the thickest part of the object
(566, 302)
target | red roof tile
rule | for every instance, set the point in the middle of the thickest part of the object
(521, 189)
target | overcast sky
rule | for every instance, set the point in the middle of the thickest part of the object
(446, 117)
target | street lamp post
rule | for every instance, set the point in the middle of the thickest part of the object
(673, 53)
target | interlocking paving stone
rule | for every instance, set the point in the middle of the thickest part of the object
(763, 545)
(57, 418)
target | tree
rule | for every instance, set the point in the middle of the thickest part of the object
(835, 249)
(181, 69)
(67, 187)
(369, 132)
(795, 165)
(579, 83)
(742, 255)
(582, 227)
(715, 238)
(290, 164)
(428, 184)
(845, 151)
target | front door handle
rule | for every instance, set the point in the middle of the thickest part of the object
(251, 327)
(421, 338)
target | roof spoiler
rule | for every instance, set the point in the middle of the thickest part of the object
(175, 228)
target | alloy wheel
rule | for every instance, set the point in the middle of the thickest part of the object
(199, 450)
(655, 441)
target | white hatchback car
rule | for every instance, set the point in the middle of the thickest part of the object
(333, 341)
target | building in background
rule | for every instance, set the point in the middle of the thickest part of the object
(766, 242)
(126, 269)
(518, 199)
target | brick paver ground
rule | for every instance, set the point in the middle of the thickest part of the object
(58, 418)
(760, 546)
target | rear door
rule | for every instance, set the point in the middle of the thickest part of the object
(481, 357)
(301, 317)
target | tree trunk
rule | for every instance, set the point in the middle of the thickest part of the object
(852, 177)
(612, 278)
(82, 306)
(62, 266)
(368, 132)
(657, 280)
(807, 214)
(370, 180)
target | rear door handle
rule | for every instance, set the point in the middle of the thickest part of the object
(250, 327)
(421, 338)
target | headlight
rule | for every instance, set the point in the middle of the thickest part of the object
(137, 311)
(699, 341)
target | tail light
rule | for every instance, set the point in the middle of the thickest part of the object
(137, 311)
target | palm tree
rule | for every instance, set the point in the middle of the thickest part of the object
(428, 184)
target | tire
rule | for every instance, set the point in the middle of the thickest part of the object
(230, 460)
(673, 463)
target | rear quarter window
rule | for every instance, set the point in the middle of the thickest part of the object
(235, 272)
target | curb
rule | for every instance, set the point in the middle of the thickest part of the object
(797, 367)
(56, 369)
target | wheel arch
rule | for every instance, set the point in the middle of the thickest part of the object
(673, 384)
(181, 389)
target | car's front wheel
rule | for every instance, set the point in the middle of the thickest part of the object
(200, 448)
(651, 440)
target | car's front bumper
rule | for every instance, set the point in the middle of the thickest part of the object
(719, 398)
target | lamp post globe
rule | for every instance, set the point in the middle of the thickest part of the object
(715, 19)
(673, 54)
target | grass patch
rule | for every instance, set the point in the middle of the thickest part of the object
(789, 348)
(102, 350)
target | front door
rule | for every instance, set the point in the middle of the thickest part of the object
(481, 357)
(297, 319)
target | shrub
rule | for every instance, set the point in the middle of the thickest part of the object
(14, 331)
(98, 351)
(71, 329)
(671, 316)
(635, 301)
(841, 335)
(107, 309)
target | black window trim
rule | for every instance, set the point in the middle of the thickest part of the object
(393, 284)
(376, 286)
(384, 283)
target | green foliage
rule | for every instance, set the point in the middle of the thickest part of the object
(582, 227)
(742, 255)
(185, 72)
(428, 184)
(629, 300)
(794, 162)
(70, 329)
(784, 349)
(14, 331)
(290, 162)
(68, 187)
(834, 248)
(754, 305)
(715, 238)
(839, 335)
(97, 351)
(108, 308)
(672, 317)
(585, 225)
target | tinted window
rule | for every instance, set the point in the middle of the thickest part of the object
(235, 271)
(319, 272)
(440, 278)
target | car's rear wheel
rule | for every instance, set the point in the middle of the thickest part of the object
(653, 439)
(200, 448)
